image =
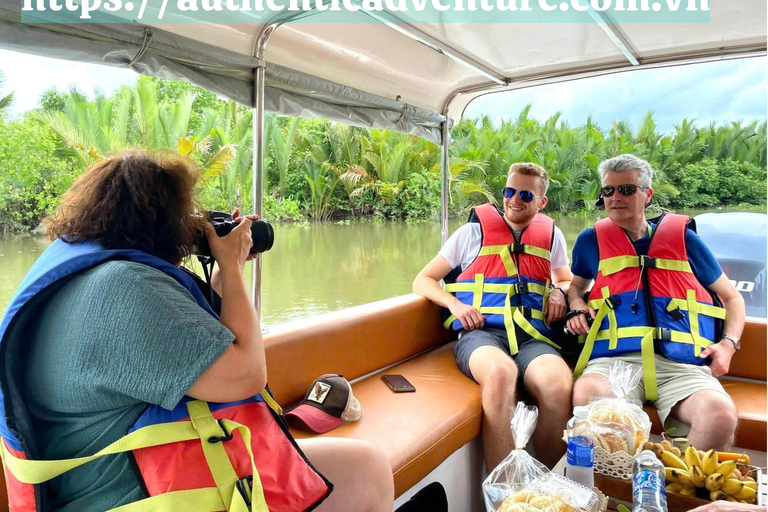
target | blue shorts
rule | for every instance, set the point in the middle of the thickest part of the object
(527, 350)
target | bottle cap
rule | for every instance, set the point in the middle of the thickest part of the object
(580, 411)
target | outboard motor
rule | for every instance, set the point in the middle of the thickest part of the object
(739, 242)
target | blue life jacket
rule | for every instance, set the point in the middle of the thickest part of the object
(295, 485)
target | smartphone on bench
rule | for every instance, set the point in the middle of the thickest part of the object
(398, 383)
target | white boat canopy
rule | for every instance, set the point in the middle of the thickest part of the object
(411, 77)
(405, 77)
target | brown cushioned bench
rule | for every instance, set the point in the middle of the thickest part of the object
(420, 430)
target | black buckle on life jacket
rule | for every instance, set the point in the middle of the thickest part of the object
(647, 262)
(221, 439)
(613, 302)
(521, 288)
(245, 488)
(676, 314)
(665, 334)
(517, 248)
(526, 311)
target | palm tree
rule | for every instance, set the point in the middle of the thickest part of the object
(91, 130)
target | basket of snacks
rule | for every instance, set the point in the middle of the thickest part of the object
(619, 426)
(520, 483)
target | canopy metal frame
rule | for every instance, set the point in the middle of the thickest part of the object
(226, 59)
(497, 83)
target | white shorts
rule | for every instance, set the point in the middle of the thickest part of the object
(675, 382)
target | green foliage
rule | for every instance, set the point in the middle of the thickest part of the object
(320, 169)
(32, 174)
(282, 209)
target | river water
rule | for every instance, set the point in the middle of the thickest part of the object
(314, 268)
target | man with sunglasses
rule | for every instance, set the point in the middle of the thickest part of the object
(512, 270)
(655, 304)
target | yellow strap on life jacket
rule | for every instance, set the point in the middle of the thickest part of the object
(223, 497)
(271, 402)
(512, 314)
(505, 253)
(695, 309)
(610, 266)
(218, 461)
(606, 306)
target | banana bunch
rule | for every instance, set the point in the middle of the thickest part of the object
(699, 470)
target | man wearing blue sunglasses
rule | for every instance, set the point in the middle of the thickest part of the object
(661, 302)
(508, 269)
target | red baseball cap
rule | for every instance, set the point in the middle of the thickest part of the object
(328, 403)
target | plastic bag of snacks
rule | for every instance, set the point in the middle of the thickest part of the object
(620, 424)
(520, 483)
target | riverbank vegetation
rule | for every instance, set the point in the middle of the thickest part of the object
(319, 170)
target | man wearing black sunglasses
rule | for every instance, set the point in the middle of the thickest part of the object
(656, 304)
(511, 270)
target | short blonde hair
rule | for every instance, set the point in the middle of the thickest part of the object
(531, 169)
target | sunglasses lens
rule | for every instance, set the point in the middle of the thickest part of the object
(526, 196)
(508, 192)
(608, 191)
(627, 190)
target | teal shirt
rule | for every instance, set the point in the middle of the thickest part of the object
(110, 341)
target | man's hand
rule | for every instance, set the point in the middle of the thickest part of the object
(555, 308)
(469, 317)
(721, 354)
(578, 324)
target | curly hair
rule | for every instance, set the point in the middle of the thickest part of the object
(133, 200)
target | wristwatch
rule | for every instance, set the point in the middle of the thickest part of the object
(734, 339)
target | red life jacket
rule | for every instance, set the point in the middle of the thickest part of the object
(509, 282)
(649, 304)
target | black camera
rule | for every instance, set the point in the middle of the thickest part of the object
(262, 234)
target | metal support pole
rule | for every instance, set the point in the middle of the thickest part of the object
(258, 171)
(444, 172)
(259, 77)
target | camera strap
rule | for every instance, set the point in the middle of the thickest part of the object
(207, 263)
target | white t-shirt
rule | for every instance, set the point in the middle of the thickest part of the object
(464, 244)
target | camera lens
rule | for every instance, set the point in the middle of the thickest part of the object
(263, 236)
(262, 233)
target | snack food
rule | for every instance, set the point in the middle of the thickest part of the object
(618, 424)
(527, 501)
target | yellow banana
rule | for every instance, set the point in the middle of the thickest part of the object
(732, 486)
(697, 476)
(671, 460)
(736, 474)
(692, 457)
(674, 487)
(717, 495)
(726, 468)
(751, 485)
(714, 482)
(709, 462)
(747, 494)
(732, 499)
(688, 491)
(678, 476)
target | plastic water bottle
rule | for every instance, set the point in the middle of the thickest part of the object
(648, 491)
(580, 455)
